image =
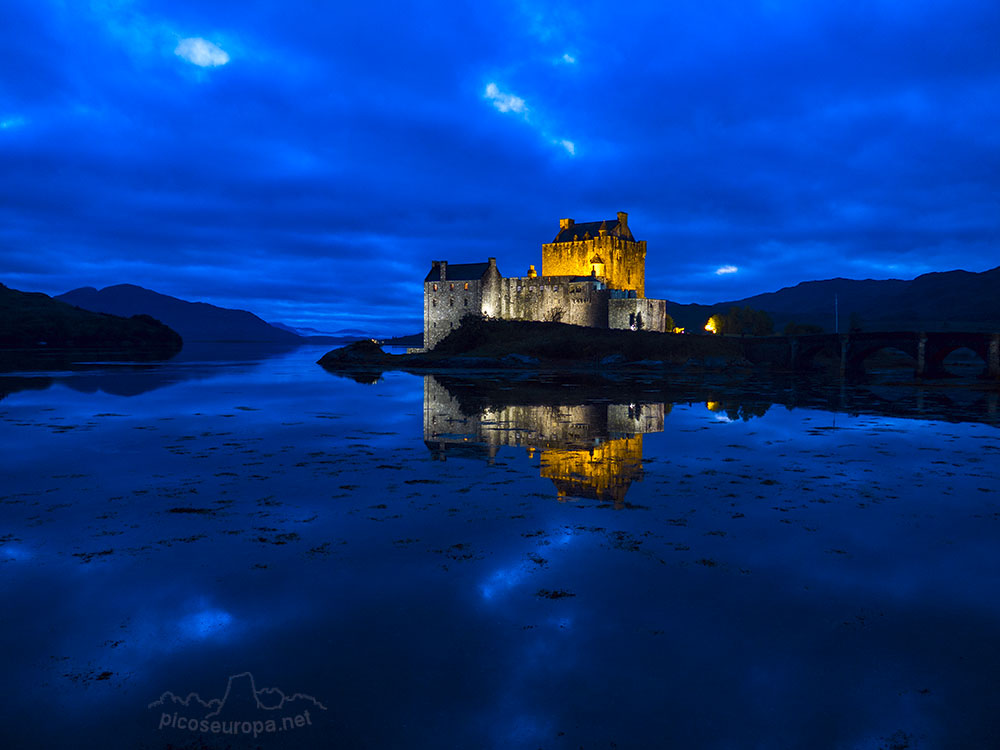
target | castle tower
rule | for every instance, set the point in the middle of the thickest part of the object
(605, 249)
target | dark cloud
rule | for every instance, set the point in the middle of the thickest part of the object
(314, 176)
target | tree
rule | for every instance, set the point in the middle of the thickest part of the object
(742, 321)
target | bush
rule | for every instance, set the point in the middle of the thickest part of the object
(742, 321)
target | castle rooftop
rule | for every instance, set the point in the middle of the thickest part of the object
(570, 231)
(457, 271)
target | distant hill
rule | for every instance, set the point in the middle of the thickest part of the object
(953, 300)
(195, 321)
(31, 320)
(315, 333)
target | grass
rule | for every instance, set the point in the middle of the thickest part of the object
(478, 337)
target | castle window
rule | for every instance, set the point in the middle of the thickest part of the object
(518, 287)
(451, 303)
(453, 287)
(555, 287)
(466, 300)
(434, 303)
(466, 286)
(435, 287)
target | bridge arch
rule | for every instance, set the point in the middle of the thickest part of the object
(938, 353)
(928, 350)
(859, 352)
(810, 347)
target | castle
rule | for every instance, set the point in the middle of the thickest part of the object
(591, 450)
(593, 274)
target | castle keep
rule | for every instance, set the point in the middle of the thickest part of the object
(593, 274)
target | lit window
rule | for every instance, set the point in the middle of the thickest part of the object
(453, 287)
(435, 287)
(466, 286)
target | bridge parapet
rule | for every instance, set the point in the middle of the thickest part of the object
(928, 349)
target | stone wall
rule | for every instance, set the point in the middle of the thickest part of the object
(624, 262)
(447, 302)
(626, 420)
(554, 299)
(638, 314)
(445, 307)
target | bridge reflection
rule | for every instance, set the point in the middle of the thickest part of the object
(588, 431)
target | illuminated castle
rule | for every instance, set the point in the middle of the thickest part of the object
(593, 274)
(589, 450)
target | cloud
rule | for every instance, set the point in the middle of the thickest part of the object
(568, 58)
(202, 52)
(505, 102)
(724, 270)
(861, 159)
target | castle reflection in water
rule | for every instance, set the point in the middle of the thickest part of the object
(591, 450)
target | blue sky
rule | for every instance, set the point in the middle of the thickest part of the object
(307, 161)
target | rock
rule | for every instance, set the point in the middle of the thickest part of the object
(359, 351)
(613, 359)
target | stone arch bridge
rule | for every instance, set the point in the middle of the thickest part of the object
(928, 349)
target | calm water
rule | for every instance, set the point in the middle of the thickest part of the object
(432, 563)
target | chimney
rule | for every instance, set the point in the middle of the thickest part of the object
(623, 219)
(443, 264)
(532, 273)
(565, 224)
(493, 262)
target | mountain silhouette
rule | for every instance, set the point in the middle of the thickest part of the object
(195, 321)
(35, 321)
(955, 300)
